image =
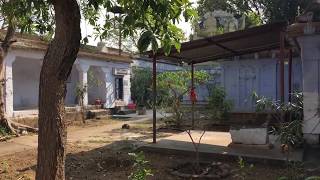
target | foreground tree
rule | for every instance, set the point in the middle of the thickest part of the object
(57, 65)
(61, 55)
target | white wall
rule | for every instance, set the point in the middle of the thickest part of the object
(310, 54)
(72, 83)
(96, 85)
(26, 75)
(25, 66)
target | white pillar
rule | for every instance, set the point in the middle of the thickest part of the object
(126, 89)
(110, 87)
(83, 80)
(310, 56)
(9, 84)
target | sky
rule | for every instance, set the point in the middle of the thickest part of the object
(86, 29)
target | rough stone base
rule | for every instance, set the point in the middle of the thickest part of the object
(312, 139)
(252, 136)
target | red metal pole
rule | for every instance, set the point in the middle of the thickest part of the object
(282, 56)
(192, 89)
(290, 74)
(154, 94)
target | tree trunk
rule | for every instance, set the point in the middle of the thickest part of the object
(57, 65)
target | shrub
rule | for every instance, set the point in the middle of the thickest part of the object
(219, 106)
(3, 131)
(141, 82)
(289, 115)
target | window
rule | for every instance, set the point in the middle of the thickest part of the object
(119, 88)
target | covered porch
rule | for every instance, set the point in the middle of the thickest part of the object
(229, 47)
(96, 77)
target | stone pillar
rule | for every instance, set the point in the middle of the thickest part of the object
(310, 56)
(126, 89)
(110, 87)
(9, 84)
(83, 80)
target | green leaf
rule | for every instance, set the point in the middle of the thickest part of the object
(177, 45)
(145, 40)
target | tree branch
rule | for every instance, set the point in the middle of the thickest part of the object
(8, 39)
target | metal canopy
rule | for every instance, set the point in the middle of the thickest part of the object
(251, 40)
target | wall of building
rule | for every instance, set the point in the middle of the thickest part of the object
(161, 67)
(240, 78)
(72, 83)
(96, 85)
(22, 72)
(26, 75)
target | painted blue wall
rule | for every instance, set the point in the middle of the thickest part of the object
(240, 78)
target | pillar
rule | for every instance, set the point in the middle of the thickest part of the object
(9, 84)
(126, 89)
(83, 80)
(110, 87)
(310, 56)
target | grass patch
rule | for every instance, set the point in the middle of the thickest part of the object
(3, 131)
(4, 167)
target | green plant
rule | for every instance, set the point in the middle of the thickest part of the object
(80, 92)
(4, 167)
(141, 81)
(243, 170)
(219, 106)
(174, 85)
(140, 166)
(289, 115)
(3, 131)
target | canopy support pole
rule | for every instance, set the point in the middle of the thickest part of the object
(192, 89)
(282, 57)
(154, 96)
(290, 74)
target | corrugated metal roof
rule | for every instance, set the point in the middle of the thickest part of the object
(251, 40)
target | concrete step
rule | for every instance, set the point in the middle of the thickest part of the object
(126, 112)
(97, 113)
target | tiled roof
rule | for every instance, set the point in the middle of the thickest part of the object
(38, 43)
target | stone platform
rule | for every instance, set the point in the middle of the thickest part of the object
(217, 145)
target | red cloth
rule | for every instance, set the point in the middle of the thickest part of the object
(131, 106)
(193, 95)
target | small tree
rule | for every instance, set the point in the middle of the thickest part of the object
(196, 146)
(176, 85)
(80, 93)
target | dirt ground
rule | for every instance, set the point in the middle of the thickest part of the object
(104, 156)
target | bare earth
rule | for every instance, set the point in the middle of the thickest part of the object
(99, 150)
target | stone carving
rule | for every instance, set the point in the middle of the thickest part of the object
(217, 22)
(311, 14)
